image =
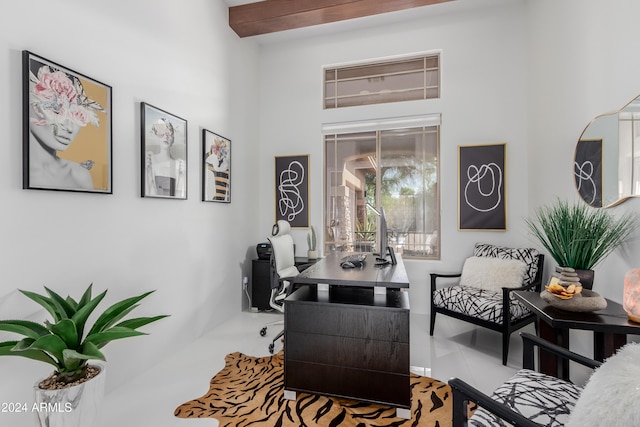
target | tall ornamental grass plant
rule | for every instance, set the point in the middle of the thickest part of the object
(579, 236)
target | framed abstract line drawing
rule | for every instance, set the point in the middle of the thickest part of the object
(292, 190)
(587, 169)
(164, 154)
(216, 168)
(66, 130)
(481, 191)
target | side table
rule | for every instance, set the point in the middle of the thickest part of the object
(610, 328)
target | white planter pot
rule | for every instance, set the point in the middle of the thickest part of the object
(76, 406)
(312, 254)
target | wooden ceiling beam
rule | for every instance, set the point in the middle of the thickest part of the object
(270, 16)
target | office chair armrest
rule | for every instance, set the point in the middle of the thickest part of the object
(286, 279)
(464, 393)
(530, 341)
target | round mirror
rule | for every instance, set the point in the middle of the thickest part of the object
(607, 157)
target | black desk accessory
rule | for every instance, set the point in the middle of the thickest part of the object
(353, 261)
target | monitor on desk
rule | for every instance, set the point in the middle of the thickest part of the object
(382, 242)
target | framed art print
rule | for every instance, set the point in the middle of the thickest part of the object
(481, 192)
(164, 153)
(292, 190)
(587, 170)
(216, 168)
(66, 130)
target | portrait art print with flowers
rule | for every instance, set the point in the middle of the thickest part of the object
(67, 137)
(164, 153)
(216, 169)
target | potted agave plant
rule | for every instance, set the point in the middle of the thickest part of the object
(70, 396)
(579, 236)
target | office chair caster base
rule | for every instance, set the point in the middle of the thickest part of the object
(263, 331)
(272, 347)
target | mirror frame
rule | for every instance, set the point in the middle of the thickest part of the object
(590, 158)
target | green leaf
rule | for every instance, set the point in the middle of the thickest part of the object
(119, 316)
(72, 358)
(115, 311)
(86, 297)
(52, 344)
(6, 349)
(23, 344)
(72, 303)
(139, 321)
(100, 339)
(92, 351)
(66, 330)
(24, 327)
(81, 316)
(46, 303)
(61, 303)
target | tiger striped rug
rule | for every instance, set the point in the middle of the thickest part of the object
(249, 391)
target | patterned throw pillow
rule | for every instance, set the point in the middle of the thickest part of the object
(527, 255)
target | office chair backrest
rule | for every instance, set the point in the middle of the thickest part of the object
(282, 247)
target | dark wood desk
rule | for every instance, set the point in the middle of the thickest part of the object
(328, 271)
(610, 328)
(350, 340)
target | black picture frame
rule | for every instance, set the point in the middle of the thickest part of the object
(216, 167)
(587, 171)
(292, 189)
(164, 167)
(67, 142)
(482, 187)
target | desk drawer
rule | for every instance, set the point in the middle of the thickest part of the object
(371, 386)
(372, 323)
(348, 352)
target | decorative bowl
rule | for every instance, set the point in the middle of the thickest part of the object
(583, 302)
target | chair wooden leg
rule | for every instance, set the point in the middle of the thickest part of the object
(506, 337)
(432, 323)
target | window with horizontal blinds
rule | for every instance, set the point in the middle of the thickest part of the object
(396, 169)
(405, 79)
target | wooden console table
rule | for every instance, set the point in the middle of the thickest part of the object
(610, 328)
(350, 341)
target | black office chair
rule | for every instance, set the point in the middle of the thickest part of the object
(283, 267)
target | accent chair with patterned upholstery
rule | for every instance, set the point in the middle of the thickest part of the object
(533, 399)
(483, 296)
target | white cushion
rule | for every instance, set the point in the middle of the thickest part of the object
(612, 393)
(528, 255)
(492, 273)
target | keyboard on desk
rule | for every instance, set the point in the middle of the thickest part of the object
(353, 260)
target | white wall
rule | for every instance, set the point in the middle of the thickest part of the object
(583, 63)
(484, 100)
(181, 57)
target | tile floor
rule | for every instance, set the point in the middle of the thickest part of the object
(456, 349)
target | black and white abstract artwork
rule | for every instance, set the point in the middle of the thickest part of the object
(482, 181)
(587, 171)
(292, 190)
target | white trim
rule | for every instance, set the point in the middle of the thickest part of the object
(372, 61)
(381, 124)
